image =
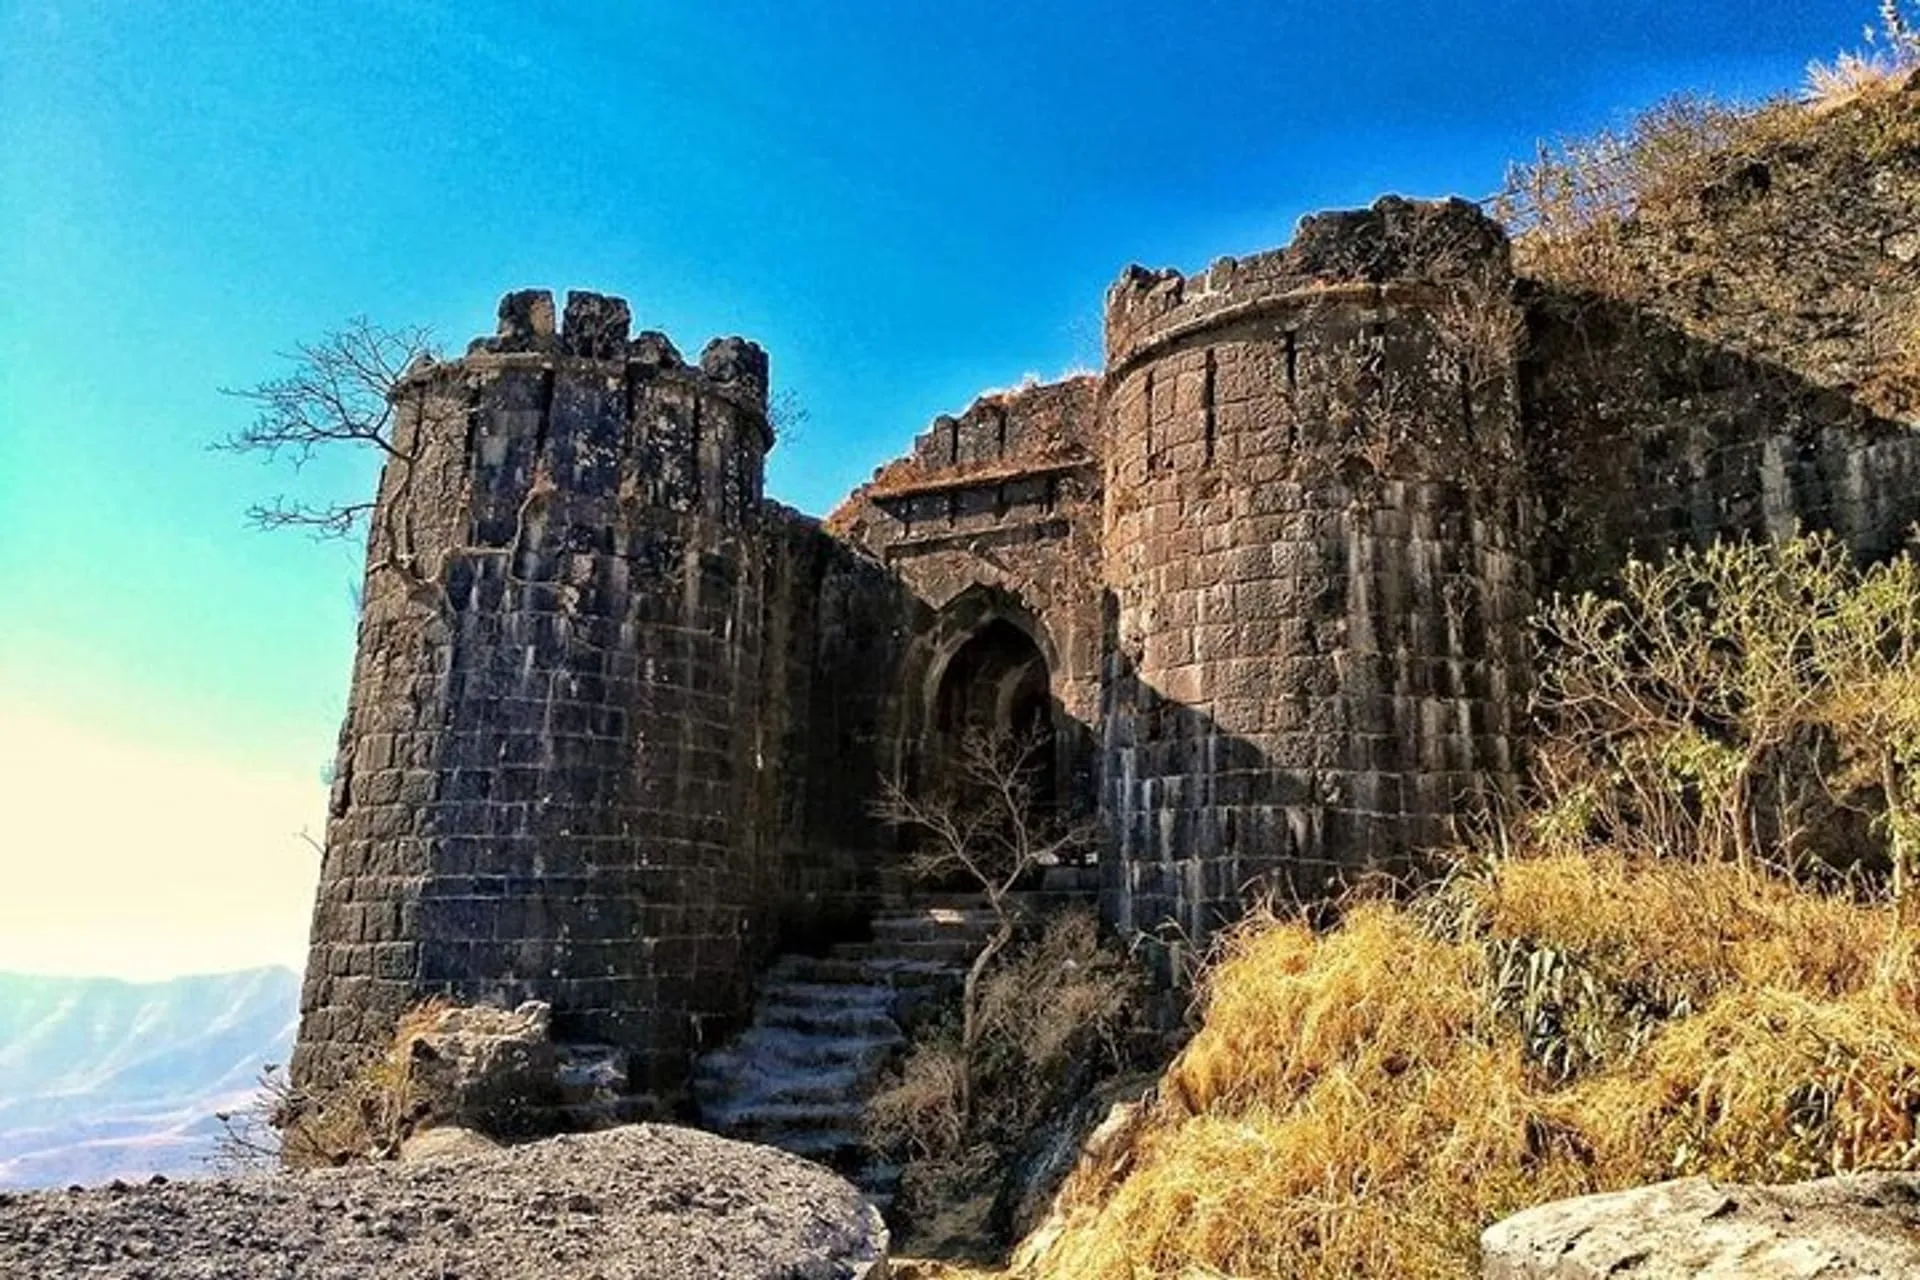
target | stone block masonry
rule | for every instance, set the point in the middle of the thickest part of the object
(1315, 538)
(547, 777)
(1264, 583)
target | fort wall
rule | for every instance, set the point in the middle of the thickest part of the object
(1316, 551)
(554, 751)
(618, 723)
(994, 516)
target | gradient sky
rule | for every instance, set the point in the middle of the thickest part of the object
(905, 202)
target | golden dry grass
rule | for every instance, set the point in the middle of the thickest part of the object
(1581, 208)
(1363, 1102)
(365, 1116)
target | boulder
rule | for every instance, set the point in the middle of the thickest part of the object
(493, 1070)
(438, 1144)
(1844, 1228)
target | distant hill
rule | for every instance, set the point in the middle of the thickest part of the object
(105, 1079)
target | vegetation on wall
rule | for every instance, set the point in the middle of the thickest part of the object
(1057, 1016)
(1047, 1009)
(363, 1117)
(1579, 210)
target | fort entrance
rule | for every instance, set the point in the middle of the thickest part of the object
(995, 687)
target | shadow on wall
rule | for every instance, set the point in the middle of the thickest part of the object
(1643, 437)
(1203, 824)
(1639, 437)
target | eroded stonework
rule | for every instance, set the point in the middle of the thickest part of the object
(1264, 584)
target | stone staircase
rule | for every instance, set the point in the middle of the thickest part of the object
(826, 1027)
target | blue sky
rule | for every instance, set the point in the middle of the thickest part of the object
(905, 202)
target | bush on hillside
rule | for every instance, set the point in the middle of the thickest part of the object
(1055, 1017)
(1751, 701)
(1580, 208)
(1627, 985)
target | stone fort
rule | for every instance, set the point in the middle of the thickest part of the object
(618, 721)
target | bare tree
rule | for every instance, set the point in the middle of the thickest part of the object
(983, 823)
(338, 391)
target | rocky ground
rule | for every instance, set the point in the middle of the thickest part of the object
(1855, 1227)
(645, 1202)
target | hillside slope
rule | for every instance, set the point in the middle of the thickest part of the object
(101, 1078)
(1626, 985)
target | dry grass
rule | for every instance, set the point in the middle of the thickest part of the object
(1850, 77)
(365, 1116)
(1363, 1102)
(1568, 208)
(919, 1112)
(1055, 1013)
(1581, 210)
(1892, 51)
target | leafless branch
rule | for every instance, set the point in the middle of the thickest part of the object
(984, 823)
(337, 391)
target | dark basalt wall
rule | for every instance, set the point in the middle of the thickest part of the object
(1316, 549)
(556, 751)
(1752, 366)
(617, 723)
(994, 517)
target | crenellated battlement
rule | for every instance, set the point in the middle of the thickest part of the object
(1397, 251)
(596, 328)
(584, 408)
(1264, 583)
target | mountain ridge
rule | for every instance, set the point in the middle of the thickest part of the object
(106, 1078)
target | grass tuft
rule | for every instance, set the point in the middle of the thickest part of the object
(1364, 1101)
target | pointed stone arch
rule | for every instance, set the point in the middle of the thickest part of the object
(986, 663)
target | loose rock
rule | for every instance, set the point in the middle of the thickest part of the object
(645, 1202)
(1855, 1227)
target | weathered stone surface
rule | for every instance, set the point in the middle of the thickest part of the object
(1316, 545)
(1098, 1160)
(553, 782)
(1849, 1228)
(641, 1203)
(595, 326)
(490, 1070)
(445, 1142)
(1263, 583)
(526, 321)
(1088, 1133)
(1748, 378)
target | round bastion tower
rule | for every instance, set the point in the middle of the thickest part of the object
(1316, 530)
(542, 783)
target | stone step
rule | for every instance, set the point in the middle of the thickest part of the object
(836, 995)
(893, 901)
(1060, 880)
(832, 1019)
(825, 1027)
(958, 952)
(791, 1047)
(979, 914)
(742, 1078)
(781, 1119)
(930, 928)
(892, 972)
(838, 1147)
